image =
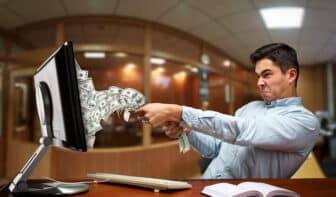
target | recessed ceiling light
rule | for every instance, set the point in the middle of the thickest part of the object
(191, 68)
(181, 74)
(130, 65)
(227, 63)
(120, 54)
(94, 54)
(155, 60)
(282, 17)
(194, 69)
(159, 70)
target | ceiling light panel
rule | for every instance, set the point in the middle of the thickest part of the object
(282, 17)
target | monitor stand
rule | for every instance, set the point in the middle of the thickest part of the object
(19, 184)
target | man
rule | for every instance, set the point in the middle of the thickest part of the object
(264, 139)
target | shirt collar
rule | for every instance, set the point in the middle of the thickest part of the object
(285, 102)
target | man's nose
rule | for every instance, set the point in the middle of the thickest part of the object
(261, 82)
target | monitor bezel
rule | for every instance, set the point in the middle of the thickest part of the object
(69, 94)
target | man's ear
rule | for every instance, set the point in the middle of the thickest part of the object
(292, 74)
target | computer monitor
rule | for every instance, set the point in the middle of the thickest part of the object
(59, 110)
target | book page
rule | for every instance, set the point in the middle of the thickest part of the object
(268, 190)
(228, 190)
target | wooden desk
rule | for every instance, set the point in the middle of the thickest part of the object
(305, 187)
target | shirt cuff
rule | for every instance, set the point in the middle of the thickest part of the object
(190, 116)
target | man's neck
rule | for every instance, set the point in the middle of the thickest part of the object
(290, 93)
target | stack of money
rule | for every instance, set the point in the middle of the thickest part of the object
(98, 105)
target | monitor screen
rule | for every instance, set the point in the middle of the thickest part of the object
(58, 100)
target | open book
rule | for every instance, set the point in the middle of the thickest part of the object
(245, 189)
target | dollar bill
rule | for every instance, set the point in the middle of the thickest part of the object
(131, 100)
(184, 144)
(86, 84)
(82, 74)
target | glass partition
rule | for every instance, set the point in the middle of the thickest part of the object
(172, 82)
(24, 117)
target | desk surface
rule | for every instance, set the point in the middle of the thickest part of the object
(305, 187)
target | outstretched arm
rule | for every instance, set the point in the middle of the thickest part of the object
(292, 132)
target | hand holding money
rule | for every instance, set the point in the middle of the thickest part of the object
(178, 130)
(159, 114)
(167, 116)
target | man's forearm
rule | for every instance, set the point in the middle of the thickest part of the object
(175, 112)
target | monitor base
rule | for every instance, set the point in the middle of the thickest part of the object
(54, 189)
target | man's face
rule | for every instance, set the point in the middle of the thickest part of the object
(272, 83)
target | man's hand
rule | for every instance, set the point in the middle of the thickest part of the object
(159, 114)
(173, 129)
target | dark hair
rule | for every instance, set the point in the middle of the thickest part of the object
(281, 54)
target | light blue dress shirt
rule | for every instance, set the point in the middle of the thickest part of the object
(260, 141)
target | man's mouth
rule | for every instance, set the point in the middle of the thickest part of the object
(263, 91)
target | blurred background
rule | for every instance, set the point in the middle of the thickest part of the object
(190, 52)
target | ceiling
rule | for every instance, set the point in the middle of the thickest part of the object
(235, 26)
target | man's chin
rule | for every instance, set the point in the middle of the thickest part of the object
(267, 100)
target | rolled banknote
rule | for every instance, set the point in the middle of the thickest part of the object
(184, 144)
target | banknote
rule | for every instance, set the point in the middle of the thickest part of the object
(184, 144)
(82, 74)
(131, 100)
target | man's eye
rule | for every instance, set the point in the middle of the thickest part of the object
(266, 75)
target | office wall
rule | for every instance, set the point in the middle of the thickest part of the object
(334, 85)
(3, 108)
(312, 87)
(2, 156)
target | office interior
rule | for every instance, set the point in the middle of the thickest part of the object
(162, 49)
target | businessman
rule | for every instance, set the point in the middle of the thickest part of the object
(264, 139)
